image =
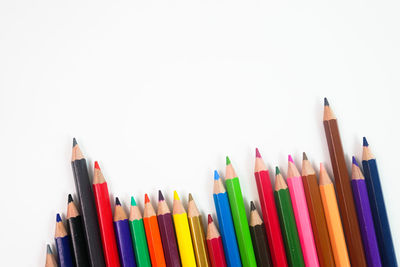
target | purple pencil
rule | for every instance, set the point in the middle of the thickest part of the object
(365, 217)
(167, 232)
(123, 235)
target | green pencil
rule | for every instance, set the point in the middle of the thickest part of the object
(239, 216)
(288, 224)
(138, 236)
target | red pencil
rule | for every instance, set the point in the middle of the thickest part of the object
(214, 244)
(104, 214)
(270, 215)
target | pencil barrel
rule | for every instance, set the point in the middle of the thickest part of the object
(168, 239)
(216, 252)
(79, 247)
(199, 241)
(124, 243)
(65, 256)
(261, 249)
(139, 243)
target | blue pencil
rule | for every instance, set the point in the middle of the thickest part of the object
(378, 208)
(226, 223)
(123, 236)
(63, 244)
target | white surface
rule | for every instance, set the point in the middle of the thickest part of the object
(160, 91)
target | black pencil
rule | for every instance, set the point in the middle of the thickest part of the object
(88, 208)
(74, 222)
(259, 237)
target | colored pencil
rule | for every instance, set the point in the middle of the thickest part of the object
(259, 237)
(343, 189)
(288, 223)
(104, 215)
(333, 221)
(63, 244)
(239, 216)
(183, 233)
(378, 208)
(225, 221)
(270, 215)
(88, 207)
(123, 236)
(301, 215)
(153, 234)
(138, 236)
(168, 238)
(74, 222)
(317, 217)
(214, 244)
(365, 217)
(50, 260)
(197, 232)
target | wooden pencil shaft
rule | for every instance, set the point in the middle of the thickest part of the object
(79, 247)
(260, 245)
(140, 243)
(124, 243)
(154, 241)
(65, 255)
(216, 252)
(199, 241)
(184, 240)
(168, 239)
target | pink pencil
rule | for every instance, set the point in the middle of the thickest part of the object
(301, 215)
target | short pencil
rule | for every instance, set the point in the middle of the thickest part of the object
(214, 244)
(50, 260)
(63, 244)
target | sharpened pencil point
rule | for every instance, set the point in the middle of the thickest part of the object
(290, 158)
(355, 161)
(258, 155)
(133, 202)
(277, 171)
(58, 217)
(326, 103)
(190, 197)
(70, 199)
(252, 206)
(228, 161)
(305, 156)
(96, 165)
(216, 175)
(365, 142)
(49, 249)
(74, 143)
(160, 196)
(210, 220)
(117, 202)
(176, 197)
(146, 199)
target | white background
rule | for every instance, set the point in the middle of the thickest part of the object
(160, 91)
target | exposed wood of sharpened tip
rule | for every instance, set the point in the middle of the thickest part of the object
(119, 213)
(72, 211)
(212, 231)
(60, 230)
(134, 213)
(218, 187)
(177, 207)
(50, 260)
(280, 182)
(98, 175)
(255, 218)
(324, 178)
(343, 190)
(163, 208)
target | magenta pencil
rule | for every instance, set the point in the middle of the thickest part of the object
(301, 215)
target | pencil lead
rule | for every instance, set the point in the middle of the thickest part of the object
(326, 103)
(305, 156)
(74, 143)
(133, 202)
(58, 217)
(70, 199)
(190, 197)
(290, 158)
(277, 171)
(160, 196)
(216, 175)
(176, 197)
(228, 161)
(210, 220)
(146, 199)
(252, 206)
(49, 249)
(96, 165)
(258, 155)
(117, 202)
(355, 161)
(365, 142)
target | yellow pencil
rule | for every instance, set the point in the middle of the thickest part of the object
(183, 233)
(333, 221)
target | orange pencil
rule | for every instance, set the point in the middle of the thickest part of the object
(153, 234)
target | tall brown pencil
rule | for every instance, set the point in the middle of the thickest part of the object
(317, 216)
(343, 188)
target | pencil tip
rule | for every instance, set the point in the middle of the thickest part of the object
(117, 202)
(277, 171)
(365, 142)
(176, 197)
(228, 161)
(49, 249)
(58, 217)
(258, 155)
(252, 206)
(146, 199)
(190, 197)
(216, 175)
(326, 103)
(305, 156)
(74, 143)
(210, 219)
(133, 202)
(160, 196)
(355, 161)
(70, 199)
(96, 165)
(290, 158)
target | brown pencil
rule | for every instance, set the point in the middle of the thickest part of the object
(343, 188)
(317, 216)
